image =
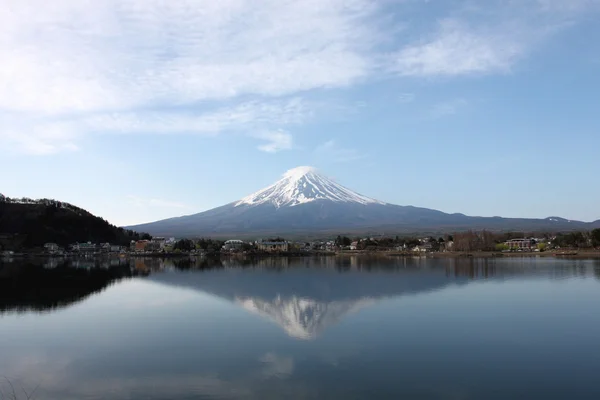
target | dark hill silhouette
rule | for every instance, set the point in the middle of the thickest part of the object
(26, 223)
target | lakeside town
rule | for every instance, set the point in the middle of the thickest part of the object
(460, 243)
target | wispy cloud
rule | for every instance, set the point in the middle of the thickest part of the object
(330, 151)
(457, 50)
(54, 134)
(276, 141)
(211, 67)
(81, 62)
(483, 38)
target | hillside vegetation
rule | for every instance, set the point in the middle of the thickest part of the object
(26, 223)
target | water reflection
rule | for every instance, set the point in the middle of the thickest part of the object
(53, 284)
(332, 327)
(313, 294)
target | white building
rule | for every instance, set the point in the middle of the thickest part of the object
(233, 244)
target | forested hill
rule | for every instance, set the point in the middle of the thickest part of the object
(26, 223)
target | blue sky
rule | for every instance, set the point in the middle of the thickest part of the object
(142, 110)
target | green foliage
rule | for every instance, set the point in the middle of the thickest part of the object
(209, 245)
(573, 240)
(541, 246)
(184, 245)
(502, 247)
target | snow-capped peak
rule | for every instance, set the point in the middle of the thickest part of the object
(303, 318)
(303, 185)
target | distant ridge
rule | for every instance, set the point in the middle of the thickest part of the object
(306, 202)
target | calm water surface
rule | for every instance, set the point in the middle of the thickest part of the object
(327, 328)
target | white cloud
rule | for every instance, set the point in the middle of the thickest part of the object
(482, 38)
(81, 61)
(330, 151)
(276, 141)
(202, 66)
(457, 50)
(53, 134)
(127, 53)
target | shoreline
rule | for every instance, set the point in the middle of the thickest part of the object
(568, 254)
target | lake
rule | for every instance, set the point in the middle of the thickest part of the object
(307, 328)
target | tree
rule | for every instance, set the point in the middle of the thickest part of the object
(595, 237)
(502, 247)
(541, 246)
(184, 245)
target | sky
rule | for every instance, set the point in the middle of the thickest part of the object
(139, 110)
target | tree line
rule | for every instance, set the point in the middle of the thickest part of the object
(476, 240)
(25, 225)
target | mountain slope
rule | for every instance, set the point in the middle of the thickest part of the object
(307, 202)
(26, 223)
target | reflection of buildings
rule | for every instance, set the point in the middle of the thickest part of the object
(472, 268)
(148, 264)
(53, 262)
(272, 247)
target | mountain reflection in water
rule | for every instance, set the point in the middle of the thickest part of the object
(311, 295)
(331, 327)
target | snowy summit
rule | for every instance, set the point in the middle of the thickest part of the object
(304, 185)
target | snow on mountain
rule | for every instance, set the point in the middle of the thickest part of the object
(305, 202)
(304, 185)
(303, 318)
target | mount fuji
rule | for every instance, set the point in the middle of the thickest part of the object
(305, 202)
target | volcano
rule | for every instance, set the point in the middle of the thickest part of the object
(306, 202)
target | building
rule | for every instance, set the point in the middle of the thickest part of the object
(51, 248)
(273, 247)
(105, 247)
(423, 248)
(139, 246)
(317, 245)
(330, 246)
(153, 246)
(88, 247)
(354, 245)
(161, 242)
(233, 245)
(521, 244)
